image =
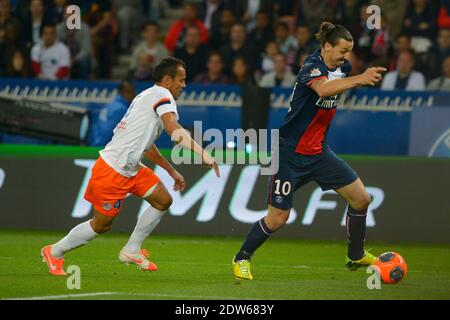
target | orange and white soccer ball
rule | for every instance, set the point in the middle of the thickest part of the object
(392, 267)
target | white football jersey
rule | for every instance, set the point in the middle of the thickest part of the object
(138, 130)
(51, 58)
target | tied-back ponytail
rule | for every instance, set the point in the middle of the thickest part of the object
(332, 33)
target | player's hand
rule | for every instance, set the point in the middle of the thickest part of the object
(372, 76)
(179, 184)
(211, 163)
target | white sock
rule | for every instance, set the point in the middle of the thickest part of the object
(144, 226)
(77, 237)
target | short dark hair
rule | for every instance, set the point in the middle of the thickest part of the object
(332, 33)
(282, 24)
(167, 67)
(123, 84)
(215, 53)
(147, 24)
(47, 25)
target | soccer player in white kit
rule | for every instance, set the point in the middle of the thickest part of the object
(119, 171)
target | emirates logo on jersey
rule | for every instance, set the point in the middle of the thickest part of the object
(327, 103)
(315, 72)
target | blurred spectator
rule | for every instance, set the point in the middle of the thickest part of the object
(143, 69)
(280, 77)
(22, 7)
(238, 46)
(364, 36)
(214, 73)
(9, 43)
(34, 21)
(177, 31)
(267, 59)
(394, 11)
(263, 31)
(129, 18)
(404, 78)
(6, 17)
(194, 53)
(402, 43)
(151, 46)
(381, 43)
(282, 8)
(246, 11)
(154, 9)
(50, 58)
(103, 30)
(347, 13)
(57, 11)
(313, 13)
(357, 65)
(241, 73)
(442, 83)
(18, 65)
(220, 35)
(301, 61)
(209, 13)
(420, 24)
(439, 52)
(306, 44)
(79, 43)
(110, 115)
(443, 20)
(286, 42)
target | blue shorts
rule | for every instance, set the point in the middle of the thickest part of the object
(296, 170)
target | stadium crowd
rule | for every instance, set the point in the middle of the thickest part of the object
(262, 42)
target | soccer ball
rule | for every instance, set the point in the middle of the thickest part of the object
(392, 267)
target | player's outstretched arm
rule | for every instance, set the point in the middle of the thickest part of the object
(157, 158)
(327, 88)
(180, 135)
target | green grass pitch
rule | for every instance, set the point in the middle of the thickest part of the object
(199, 268)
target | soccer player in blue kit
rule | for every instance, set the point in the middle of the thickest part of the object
(304, 154)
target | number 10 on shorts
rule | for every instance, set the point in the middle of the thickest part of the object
(285, 187)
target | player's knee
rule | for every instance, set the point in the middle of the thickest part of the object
(277, 221)
(101, 228)
(165, 202)
(362, 202)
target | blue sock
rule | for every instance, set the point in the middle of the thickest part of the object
(256, 237)
(356, 232)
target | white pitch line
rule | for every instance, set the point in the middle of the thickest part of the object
(160, 295)
(63, 296)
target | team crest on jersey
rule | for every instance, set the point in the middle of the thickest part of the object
(278, 199)
(107, 206)
(315, 72)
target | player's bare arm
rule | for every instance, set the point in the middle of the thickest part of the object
(157, 158)
(180, 135)
(326, 87)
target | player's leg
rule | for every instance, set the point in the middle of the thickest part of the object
(331, 172)
(106, 199)
(80, 235)
(358, 201)
(150, 188)
(261, 230)
(160, 200)
(279, 205)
